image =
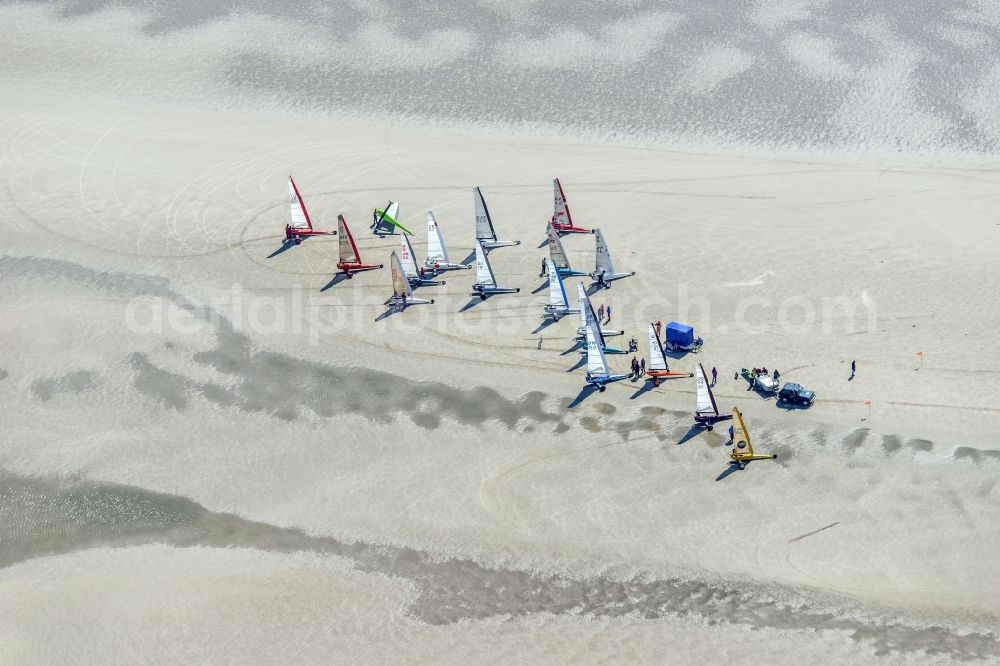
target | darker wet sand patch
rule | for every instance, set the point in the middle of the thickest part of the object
(891, 444)
(856, 438)
(71, 383)
(976, 455)
(41, 517)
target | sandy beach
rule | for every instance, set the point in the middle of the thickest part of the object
(215, 451)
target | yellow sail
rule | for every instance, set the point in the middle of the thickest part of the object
(742, 447)
(741, 438)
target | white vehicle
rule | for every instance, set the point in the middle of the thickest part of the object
(558, 306)
(557, 255)
(437, 254)
(485, 233)
(408, 258)
(766, 383)
(402, 294)
(598, 372)
(604, 270)
(486, 281)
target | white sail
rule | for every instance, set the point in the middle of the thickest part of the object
(557, 292)
(597, 364)
(603, 263)
(407, 257)
(436, 251)
(484, 272)
(400, 285)
(348, 250)
(587, 314)
(705, 404)
(484, 223)
(392, 212)
(560, 213)
(657, 361)
(556, 252)
(300, 216)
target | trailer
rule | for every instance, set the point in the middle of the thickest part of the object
(681, 337)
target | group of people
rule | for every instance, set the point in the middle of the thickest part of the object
(638, 368)
(753, 373)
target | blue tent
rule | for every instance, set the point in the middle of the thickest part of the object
(681, 335)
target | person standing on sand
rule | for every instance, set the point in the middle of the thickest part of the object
(642, 367)
(600, 312)
(854, 368)
(609, 314)
(715, 376)
(545, 268)
(658, 326)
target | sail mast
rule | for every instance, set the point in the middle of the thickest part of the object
(561, 214)
(400, 285)
(348, 249)
(657, 359)
(705, 404)
(556, 251)
(741, 438)
(484, 223)
(436, 250)
(300, 216)
(484, 271)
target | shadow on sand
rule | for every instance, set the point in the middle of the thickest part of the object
(789, 406)
(337, 279)
(583, 395)
(473, 302)
(544, 325)
(285, 246)
(647, 386)
(692, 432)
(730, 468)
(388, 313)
